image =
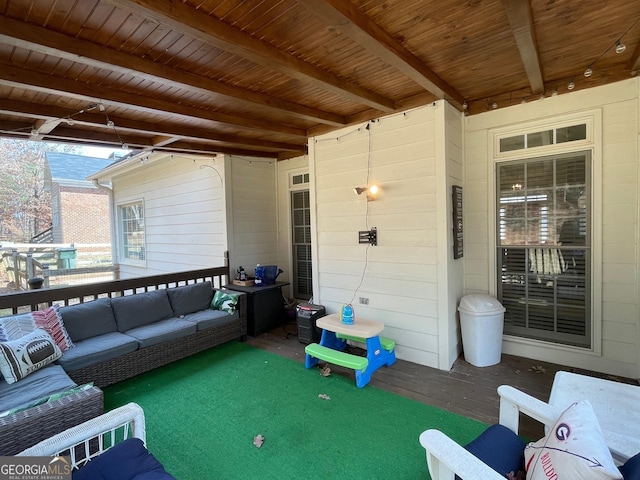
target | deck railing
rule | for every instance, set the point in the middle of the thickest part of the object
(35, 266)
(32, 300)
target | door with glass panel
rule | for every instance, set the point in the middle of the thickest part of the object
(301, 244)
(543, 247)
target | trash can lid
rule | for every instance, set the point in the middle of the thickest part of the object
(479, 303)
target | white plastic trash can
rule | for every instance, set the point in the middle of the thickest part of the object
(482, 323)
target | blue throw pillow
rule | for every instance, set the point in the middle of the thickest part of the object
(127, 460)
(631, 468)
(499, 448)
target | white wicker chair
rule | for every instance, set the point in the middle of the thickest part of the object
(91, 438)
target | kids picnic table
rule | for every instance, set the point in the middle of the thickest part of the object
(380, 351)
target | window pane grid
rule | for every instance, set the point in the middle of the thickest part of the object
(543, 248)
(132, 231)
(301, 226)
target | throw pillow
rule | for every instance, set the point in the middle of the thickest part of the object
(573, 448)
(225, 301)
(49, 319)
(19, 358)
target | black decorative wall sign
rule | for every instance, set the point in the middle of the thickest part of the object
(458, 247)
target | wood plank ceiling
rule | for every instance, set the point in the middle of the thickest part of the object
(258, 77)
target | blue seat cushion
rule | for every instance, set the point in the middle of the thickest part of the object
(210, 318)
(631, 468)
(190, 298)
(97, 349)
(127, 460)
(162, 331)
(499, 448)
(133, 311)
(46, 381)
(89, 319)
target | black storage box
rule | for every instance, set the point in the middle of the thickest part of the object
(307, 315)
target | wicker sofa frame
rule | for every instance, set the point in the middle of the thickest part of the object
(21, 430)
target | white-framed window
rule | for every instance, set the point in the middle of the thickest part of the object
(132, 236)
(546, 243)
(543, 247)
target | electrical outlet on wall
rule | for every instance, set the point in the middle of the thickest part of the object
(364, 301)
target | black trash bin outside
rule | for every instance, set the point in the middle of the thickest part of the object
(307, 314)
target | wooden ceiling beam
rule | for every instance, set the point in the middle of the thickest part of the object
(346, 17)
(634, 62)
(47, 42)
(75, 135)
(50, 113)
(212, 31)
(16, 77)
(42, 127)
(521, 21)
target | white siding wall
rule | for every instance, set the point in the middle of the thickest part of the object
(252, 212)
(298, 165)
(451, 272)
(184, 213)
(400, 275)
(615, 220)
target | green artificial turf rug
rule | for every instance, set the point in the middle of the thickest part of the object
(204, 412)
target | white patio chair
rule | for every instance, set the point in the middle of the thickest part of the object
(446, 458)
(93, 437)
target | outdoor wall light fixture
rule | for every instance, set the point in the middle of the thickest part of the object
(372, 191)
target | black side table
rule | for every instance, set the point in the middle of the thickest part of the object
(265, 306)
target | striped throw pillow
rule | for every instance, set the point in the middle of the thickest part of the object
(49, 319)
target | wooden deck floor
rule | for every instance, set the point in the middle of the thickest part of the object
(465, 389)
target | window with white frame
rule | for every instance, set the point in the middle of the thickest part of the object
(301, 235)
(543, 247)
(131, 220)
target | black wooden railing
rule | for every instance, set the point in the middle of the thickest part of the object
(46, 236)
(20, 302)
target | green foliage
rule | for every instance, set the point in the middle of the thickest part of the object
(25, 206)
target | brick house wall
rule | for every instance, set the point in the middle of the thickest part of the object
(84, 215)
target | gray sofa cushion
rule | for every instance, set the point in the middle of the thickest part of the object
(43, 382)
(211, 318)
(97, 349)
(190, 298)
(162, 331)
(133, 311)
(86, 320)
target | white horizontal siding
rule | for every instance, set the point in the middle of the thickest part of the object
(252, 214)
(616, 221)
(184, 213)
(399, 276)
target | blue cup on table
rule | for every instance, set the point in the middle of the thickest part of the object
(346, 314)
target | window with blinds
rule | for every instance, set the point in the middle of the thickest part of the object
(301, 243)
(543, 247)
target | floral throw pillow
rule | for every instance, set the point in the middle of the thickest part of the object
(225, 301)
(19, 358)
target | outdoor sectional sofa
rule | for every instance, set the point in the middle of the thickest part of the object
(115, 338)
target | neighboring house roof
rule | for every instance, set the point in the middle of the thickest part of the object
(72, 170)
